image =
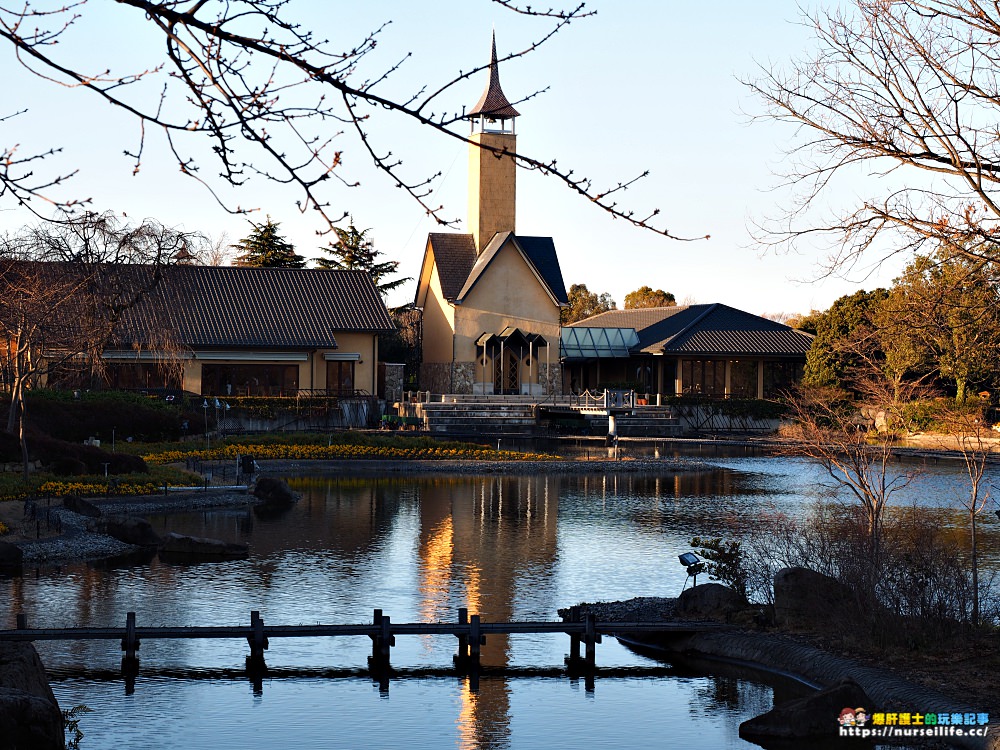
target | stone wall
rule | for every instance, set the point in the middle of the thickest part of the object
(458, 377)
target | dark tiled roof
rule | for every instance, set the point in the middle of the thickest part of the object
(455, 256)
(493, 103)
(260, 307)
(704, 330)
(540, 252)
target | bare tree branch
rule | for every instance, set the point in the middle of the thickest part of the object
(262, 89)
(904, 92)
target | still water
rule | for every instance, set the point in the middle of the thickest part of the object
(420, 547)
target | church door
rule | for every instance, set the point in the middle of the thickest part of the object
(505, 373)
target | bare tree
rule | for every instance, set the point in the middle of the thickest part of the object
(263, 91)
(64, 291)
(908, 91)
(968, 433)
(851, 439)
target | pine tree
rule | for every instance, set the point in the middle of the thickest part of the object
(354, 250)
(265, 248)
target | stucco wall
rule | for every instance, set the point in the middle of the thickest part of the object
(492, 187)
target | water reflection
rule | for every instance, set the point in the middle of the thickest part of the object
(507, 548)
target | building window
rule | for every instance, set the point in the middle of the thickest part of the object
(704, 377)
(340, 377)
(250, 380)
(743, 378)
(780, 377)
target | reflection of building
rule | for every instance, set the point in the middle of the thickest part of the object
(481, 539)
(491, 298)
(699, 350)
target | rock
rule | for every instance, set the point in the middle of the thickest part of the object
(815, 715)
(81, 506)
(803, 596)
(137, 531)
(709, 601)
(29, 714)
(273, 491)
(11, 556)
(180, 548)
(69, 467)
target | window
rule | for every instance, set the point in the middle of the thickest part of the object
(340, 377)
(259, 379)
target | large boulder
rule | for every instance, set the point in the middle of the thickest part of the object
(29, 714)
(815, 715)
(81, 506)
(804, 597)
(11, 556)
(182, 549)
(273, 491)
(137, 531)
(709, 601)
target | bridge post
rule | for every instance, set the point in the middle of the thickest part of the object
(22, 622)
(258, 643)
(462, 656)
(591, 638)
(130, 644)
(476, 639)
(382, 641)
(574, 638)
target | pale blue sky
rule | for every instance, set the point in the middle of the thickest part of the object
(643, 85)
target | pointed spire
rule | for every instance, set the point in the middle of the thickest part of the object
(493, 104)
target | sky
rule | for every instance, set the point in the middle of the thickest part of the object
(640, 86)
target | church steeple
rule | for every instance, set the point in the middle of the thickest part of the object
(492, 111)
(492, 173)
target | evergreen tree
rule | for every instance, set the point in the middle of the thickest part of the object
(265, 248)
(354, 250)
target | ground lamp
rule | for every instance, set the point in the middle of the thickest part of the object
(694, 566)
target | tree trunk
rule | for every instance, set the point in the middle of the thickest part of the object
(959, 390)
(975, 571)
(24, 441)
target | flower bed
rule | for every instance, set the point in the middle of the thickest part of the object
(342, 452)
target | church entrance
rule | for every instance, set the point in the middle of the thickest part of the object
(506, 371)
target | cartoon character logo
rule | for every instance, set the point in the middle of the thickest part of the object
(860, 716)
(846, 718)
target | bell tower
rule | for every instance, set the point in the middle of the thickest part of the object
(492, 174)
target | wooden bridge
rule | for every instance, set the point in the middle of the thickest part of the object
(470, 631)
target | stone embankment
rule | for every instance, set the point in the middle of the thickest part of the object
(783, 654)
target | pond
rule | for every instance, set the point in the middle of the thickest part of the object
(420, 547)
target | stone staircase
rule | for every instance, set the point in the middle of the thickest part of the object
(647, 421)
(464, 415)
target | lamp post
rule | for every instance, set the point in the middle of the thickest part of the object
(208, 440)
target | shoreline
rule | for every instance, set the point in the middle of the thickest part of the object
(793, 655)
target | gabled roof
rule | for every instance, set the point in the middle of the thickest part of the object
(703, 330)
(538, 252)
(493, 103)
(209, 306)
(454, 255)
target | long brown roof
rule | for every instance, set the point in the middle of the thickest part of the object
(260, 307)
(493, 103)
